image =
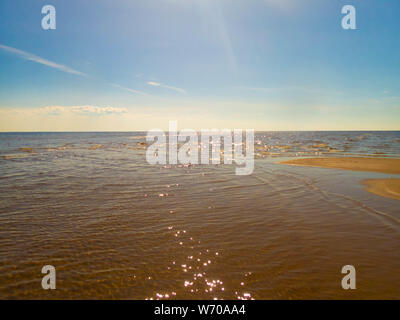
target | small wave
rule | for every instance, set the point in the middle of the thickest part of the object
(27, 149)
(97, 146)
(14, 156)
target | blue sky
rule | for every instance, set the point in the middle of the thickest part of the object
(261, 64)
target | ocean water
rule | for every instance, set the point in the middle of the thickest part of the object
(115, 227)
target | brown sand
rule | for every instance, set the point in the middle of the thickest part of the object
(389, 188)
(384, 165)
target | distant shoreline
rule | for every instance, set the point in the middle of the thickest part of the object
(145, 130)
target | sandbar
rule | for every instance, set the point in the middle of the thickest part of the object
(384, 165)
(389, 188)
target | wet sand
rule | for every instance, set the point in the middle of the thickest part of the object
(389, 188)
(383, 165)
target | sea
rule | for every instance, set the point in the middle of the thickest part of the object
(116, 227)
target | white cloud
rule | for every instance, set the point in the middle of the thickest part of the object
(157, 84)
(154, 84)
(129, 89)
(79, 110)
(31, 57)
(305, 90)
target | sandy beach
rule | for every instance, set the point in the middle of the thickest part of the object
(389, 188)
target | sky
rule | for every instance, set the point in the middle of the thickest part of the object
(134, 65)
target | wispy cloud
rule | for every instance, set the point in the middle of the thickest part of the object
(156, 84)
(306, 90)
(129, 89)
(31, 57)
(79, 110)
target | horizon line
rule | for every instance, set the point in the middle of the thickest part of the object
(114, 131)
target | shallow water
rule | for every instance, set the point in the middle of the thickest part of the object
(117, 227)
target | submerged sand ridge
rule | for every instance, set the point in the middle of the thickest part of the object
(389, 188)
(384, 165)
